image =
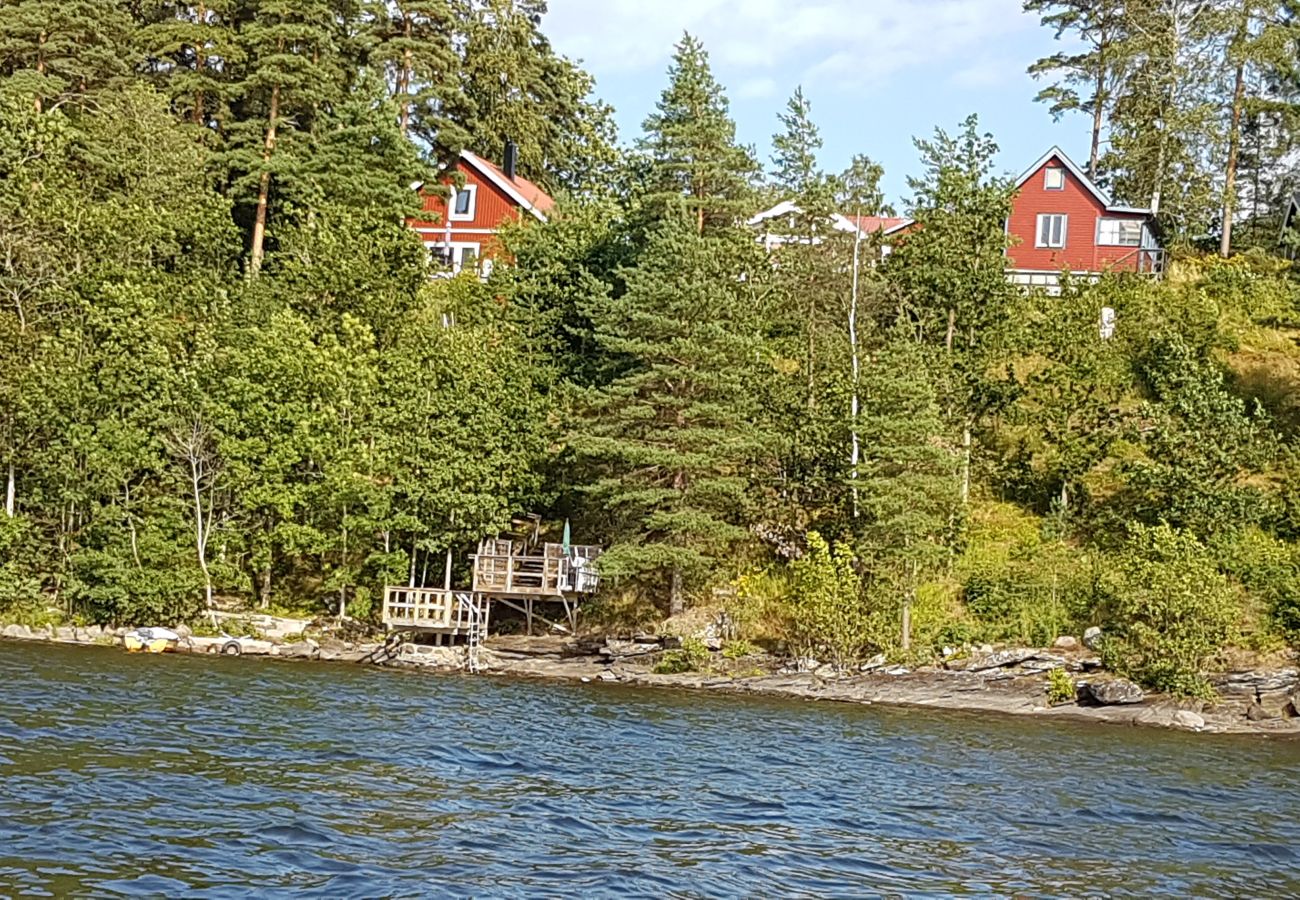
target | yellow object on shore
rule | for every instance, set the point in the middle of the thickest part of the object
(134, 642)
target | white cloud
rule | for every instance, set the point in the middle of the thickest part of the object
(844, 44)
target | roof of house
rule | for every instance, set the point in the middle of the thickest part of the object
(1288, 217)
(1102, 197)
(519, 189)
(886, 225)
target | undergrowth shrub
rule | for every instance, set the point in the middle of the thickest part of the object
(1018, 584)
(829, 610)
(692, 657)
(1060, 687)
(1168, 609)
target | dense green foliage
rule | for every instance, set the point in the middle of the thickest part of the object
(229, 378)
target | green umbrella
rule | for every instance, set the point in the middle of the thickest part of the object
(564, 543)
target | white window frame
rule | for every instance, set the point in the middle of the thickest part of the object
(452, 215)
(1049, 244)
(1047, 178)
(458, 249)
(1102, 241)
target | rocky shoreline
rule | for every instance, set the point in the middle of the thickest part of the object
(1009, 681)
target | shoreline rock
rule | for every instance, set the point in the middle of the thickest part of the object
(1004, 682)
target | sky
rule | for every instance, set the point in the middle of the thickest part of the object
(876, 72)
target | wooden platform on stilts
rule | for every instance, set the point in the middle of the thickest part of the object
(505, 571)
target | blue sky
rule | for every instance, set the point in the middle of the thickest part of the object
(877, 72)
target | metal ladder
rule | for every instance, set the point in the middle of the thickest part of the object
(477, 633)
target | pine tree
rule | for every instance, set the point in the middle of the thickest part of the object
(809, 288)
(292, 67)
(794, 160)
(60, 48)
(1164, 126)
(192, 50)
(673, 439)
(690, 141)
(514, 87)
(1087, 80)
(951, 271)
(1259, 59)
(414, 43)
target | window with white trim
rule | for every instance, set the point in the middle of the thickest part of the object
(1119, 232)
(462, 205)
(1051, 230)
(456, 256)
(1053, 179)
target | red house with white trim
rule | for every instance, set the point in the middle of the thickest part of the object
(1063, 222)
(459, 223)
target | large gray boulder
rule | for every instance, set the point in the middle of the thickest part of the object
(300, 650)
(982, 662)
(17, 631)
(1092, 638)
(1115, 692)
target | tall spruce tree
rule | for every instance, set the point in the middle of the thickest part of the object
(690, 143)
(909, 483)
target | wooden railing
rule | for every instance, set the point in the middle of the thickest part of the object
(1143, 260)
(412, 607)
(503, 567)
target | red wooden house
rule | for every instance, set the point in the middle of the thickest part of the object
(459, 223)
(1062, 221)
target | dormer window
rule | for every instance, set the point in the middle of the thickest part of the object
(462, 207)
(1053, 179)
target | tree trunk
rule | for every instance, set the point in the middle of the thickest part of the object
(11, 491)
(965, 464)
(906, 636)
(264, 590)
(343, 562)
(404, 80)
(40, 67)
(1099, 93)
(676, 599)
(200, 61)
(264, 188)
(855, 449)
(952, 329)
(1234, 137)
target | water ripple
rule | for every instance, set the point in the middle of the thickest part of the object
(135, 776)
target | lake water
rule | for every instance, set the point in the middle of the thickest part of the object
(207, 777)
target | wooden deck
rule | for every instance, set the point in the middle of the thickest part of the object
(515, 573)
(506, 568)
(434, 610)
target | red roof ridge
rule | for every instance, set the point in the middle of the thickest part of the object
(527, 194)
